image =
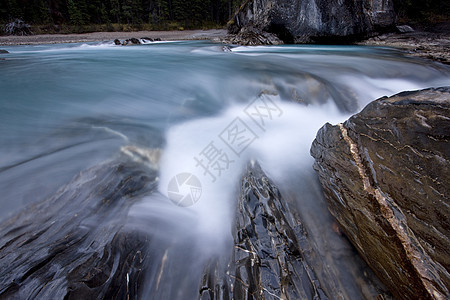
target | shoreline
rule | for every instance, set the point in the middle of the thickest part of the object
(420, 44)
(13, 40)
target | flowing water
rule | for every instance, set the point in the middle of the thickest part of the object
(65, 108)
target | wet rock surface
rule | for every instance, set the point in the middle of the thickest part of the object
(274, 257)
(268, 259)
(252, 36)
(314, 20)
(135, 41)
(76, 245)
(95, 239)
(384, 174)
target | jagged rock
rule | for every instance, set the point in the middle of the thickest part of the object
(269, 249)
(274, 257)
(314, 20)
(132, 41)
(424, 44)
(226, 49)
(17, 27)
(252, 36)
(385, 175)
(76, 245)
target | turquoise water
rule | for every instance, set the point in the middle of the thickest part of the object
(64, 108)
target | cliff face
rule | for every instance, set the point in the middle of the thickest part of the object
(315, 20)
(385, 175)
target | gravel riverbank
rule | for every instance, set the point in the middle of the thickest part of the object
(212, 34)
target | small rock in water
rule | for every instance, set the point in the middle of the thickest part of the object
(117, 42)
(17, 27)
(77, 245)
(147, 39)
(267, 256)
(132, 41)
(226, 49)
(3, 51)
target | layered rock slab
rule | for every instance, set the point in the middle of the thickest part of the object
(270, 245)
(76, 244)
(385, 176)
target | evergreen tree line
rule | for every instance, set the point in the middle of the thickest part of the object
(423, 10)
(191, 13)
(188, 13)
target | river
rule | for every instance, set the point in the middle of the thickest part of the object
(68, 107)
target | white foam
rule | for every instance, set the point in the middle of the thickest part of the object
(282, 143)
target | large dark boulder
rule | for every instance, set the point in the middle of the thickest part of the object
(315, 20)
(77, 244)
(385, 175)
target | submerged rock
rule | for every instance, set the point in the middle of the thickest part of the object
(385, 175)
(3, 51)
(315, 20)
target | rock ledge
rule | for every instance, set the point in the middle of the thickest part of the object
(384, 174)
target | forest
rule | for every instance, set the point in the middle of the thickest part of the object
(158, 13)
(77, 15)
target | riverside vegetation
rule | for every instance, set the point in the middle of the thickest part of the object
(79, 16)
(61, 16)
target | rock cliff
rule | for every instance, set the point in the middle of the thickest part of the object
(315, 20)
(385, 176)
